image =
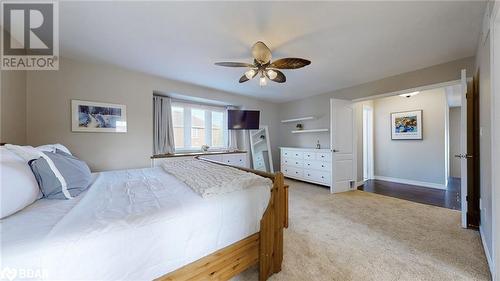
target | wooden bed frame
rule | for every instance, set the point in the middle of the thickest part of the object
(264, 248)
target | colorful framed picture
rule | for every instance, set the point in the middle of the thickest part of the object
(406, 125)
(88, 116)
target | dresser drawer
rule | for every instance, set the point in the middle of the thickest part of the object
(292, 171)
(235, 159)
(292, 154)
(288, 161)
(309, 156)
(294, 162)
(323, 156)
(317, 165)
(217, 157)
(318, 176)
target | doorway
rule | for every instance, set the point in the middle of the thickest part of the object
(423, 170)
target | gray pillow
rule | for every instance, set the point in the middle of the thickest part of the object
(75, 172)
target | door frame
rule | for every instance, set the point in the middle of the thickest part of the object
(368, 158)
(495, 136)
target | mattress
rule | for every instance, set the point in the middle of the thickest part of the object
(130, 225)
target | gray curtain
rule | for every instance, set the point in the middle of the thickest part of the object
(163, 129)
(232, 136)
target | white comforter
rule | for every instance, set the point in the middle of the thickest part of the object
(132, 224)
(210, 179)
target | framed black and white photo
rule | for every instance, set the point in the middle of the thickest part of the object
(88, 116)
(406, 125)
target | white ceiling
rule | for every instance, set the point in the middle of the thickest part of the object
(349, 43)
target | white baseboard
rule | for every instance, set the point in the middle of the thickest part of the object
(412, 182)
(487, 252)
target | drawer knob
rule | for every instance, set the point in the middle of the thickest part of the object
(323, 166)
(308, 174)
(322, 177)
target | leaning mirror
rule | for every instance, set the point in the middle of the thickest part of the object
(261, 149)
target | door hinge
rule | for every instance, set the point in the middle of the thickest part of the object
(467, 198)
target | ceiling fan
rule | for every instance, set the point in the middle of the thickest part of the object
(263, 66)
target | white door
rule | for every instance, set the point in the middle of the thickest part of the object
(342, 145)
(463, 148)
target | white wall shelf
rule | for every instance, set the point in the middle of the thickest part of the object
(309, 131)
(298, 119)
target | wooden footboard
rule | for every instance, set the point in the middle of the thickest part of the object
(264, 247)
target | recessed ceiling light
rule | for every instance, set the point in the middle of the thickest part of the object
(407, 95)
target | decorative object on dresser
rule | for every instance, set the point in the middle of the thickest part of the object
(261, 150)
(87, 116)
(307, 164)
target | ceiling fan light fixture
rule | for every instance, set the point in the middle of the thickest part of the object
(271, 74)
(262, 81)
(250, 74)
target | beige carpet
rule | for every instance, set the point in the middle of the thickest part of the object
(365, 236)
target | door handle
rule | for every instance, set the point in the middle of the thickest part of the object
(467, 156)
(335, 150)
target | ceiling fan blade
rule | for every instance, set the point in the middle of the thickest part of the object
(243, 79)
(234, 64)
(261, 53)
(289, 63)
(280, 77)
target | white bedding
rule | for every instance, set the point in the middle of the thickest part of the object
(132, 224)
(210, 179)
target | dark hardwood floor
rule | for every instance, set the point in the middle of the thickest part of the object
(449, 198)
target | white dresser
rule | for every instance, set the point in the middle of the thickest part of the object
(232, 158)
(306, 164)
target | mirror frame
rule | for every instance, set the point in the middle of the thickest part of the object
(268, 142)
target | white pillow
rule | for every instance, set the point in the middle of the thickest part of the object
(18, 186)
(52, 148)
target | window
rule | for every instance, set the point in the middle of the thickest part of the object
(178, 122)
(196, 125)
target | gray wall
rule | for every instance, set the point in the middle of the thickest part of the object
(454, 130)
(13, 107)
(418, 160)
(320, 105)
(483, 67)
(49, 94)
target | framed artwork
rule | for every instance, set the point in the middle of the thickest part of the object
(406, 125)
(88, 116)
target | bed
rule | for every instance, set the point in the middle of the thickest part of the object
(134, 223)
